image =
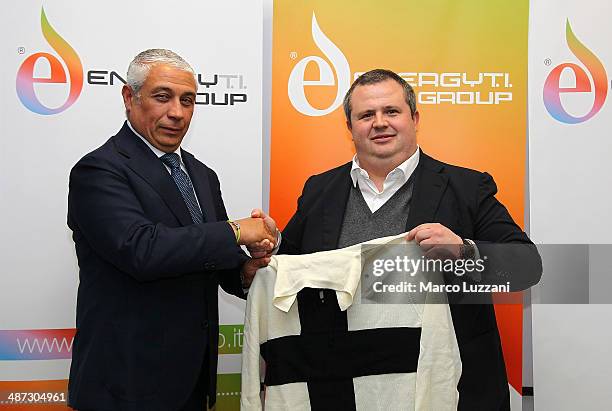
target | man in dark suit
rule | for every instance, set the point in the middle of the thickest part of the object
(391, 187)
(153, 243)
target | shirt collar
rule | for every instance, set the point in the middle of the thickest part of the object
(155, 150)
(406, 168)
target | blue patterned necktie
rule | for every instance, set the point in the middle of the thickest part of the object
(183, 182)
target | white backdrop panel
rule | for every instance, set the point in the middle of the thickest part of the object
(569, 176)
(570, 168)
(39, 275)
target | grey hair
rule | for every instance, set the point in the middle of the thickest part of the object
(139, 68)
(378, 76)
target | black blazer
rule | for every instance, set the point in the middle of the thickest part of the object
(147, 310)
(462, 200)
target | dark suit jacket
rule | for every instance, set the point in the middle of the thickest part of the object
(147, 309)
(462, 200)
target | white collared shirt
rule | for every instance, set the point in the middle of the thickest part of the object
(393, 182)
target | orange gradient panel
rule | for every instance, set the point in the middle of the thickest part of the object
(38, 390)
(477, 46)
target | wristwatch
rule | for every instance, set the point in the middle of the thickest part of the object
(467, 250)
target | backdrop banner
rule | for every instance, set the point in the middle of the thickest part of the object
(468, 64)
(570, 118)
(63, 68)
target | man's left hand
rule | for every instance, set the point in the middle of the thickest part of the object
(436, 240)
(250, 267)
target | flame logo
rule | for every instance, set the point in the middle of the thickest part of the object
(297, 84)
(552, 90)
(25, 74)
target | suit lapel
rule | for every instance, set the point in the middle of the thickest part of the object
(201, 185)
(148, 166)
(429, 185)
(335, 198)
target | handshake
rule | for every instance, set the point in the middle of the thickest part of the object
(260, 236)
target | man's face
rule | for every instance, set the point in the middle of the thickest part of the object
(382, 127)
(162, 109)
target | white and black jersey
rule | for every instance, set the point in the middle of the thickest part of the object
(326, 349)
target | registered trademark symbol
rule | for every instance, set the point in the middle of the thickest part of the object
(21, 50)
(548, 62)
(293, 55)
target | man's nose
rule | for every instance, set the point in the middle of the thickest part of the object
(380, 121)
(176, 109)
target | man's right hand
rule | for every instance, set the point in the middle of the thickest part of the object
(264, 248)
(255, 230)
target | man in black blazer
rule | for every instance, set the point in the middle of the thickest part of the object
(452, 212)
(153, 242)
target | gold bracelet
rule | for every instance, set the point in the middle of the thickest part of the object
(236, 229)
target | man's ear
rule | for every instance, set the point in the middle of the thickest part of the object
(128, 97)
(349, 126)
(415, 119)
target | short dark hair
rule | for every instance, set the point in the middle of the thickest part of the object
(378, 76)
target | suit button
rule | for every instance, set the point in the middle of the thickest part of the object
(204, 324)
(209, 266)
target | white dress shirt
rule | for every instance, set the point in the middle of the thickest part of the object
(393, 182)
